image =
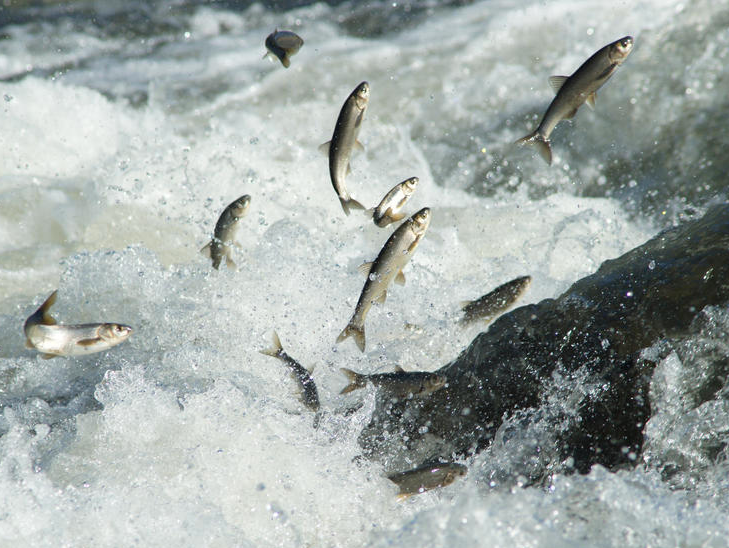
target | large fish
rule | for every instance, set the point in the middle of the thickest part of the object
(426, 477)
(224, 234)
(283, 44)
(401, 383)
(495, 302)
(572, 91)
(51, 339)
(388, 265)
(344, 141)
(388, 211)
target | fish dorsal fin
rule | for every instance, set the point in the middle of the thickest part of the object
(206, 250)
(399, 369)
(365, 268)
(46, 318)
(556, 82)
(591, 99)
(465, 304)
(324, 148)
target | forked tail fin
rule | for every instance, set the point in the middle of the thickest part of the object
(350, 203)
(357, 332)
(355, 380)
(542, 144)
(276, 349)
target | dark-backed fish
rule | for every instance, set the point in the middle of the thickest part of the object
(344, 141)
(426, 477)
(283, 44)
(400, 383)
(572, 91)
(388, 265)
(309, 395)
(495, 302)
(51, 339)
(388, 210)
(224, 235)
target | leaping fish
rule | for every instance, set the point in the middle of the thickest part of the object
(388, 265)
(344, 141)
(401, 384)
(224, 234)
(388, 211)
(572, 91)
(52, 339)
(494, 302)
(426, 477)
(283, 44)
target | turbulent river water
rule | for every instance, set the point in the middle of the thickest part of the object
(128, 126)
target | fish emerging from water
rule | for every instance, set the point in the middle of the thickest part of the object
(344, 141)
(283, 44)
(572, 91)
(309, 395)
(52, 339)
(224, 234)
(426, 477)
(388, 211)
(496, 301)
(401, 384)
(388, 265)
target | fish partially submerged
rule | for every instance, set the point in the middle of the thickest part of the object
(572, 91)
(426, 477)
(496, 301)
(225, 230)
(344, 141)
(283, 44)
(388, 210)
(52, 339)
(401, 384)
(388, 265)
(309, 395)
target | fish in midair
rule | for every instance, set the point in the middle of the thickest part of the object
(388, 265)
(388, 211)
(400, 383)
(283, 44)
(426, 477)
(309, 395)
(344, 141)
(52, 339)
(572, 91)
(224, 234)
(494, 302)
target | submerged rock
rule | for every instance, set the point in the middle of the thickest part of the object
(590, 336)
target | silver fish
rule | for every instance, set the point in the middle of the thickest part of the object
(388, 211)
(344, 141)
(426, 477)
(309, 395)
(401, 384)
(388, 265)
(224, 234)
(572, 91)
(495, 302)
(51, 339)
(283, 44)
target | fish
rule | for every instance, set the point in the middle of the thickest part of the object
(388, 265)
(495, 302)
(309, 394)
(51, 339)
(283, 44)
(224, 234)
(401, 384)
(388, 211)
(572, 91)
(426, 477)
(344, 141)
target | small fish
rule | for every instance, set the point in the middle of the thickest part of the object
(224, 234)
(309, 395)
(572, 91)
(401, 384)
(283, 44)
(51, 339)
(389, 209)
(426, 477)
(495, 302)
(388, 265)
(344, 141)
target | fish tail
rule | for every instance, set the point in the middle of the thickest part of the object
(542, 144)
(357, 332)
(276, 349)
(355, 380)
(350, 203)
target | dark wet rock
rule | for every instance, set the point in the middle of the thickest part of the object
(590, 337)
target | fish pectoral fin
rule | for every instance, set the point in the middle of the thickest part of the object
(28, 344)
(365, 268)
(591, 99)
(89, 342)
(570, 114)
(403, 496)
(206, 250)
(395, 216)
(286, 61)
(48, 356)
(324, 148)
(229, 263)
(556, 82)
(382, 297)
(349, 168)
(400, 278)
(358, 146)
